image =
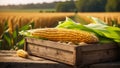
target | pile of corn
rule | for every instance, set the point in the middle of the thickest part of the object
(64, 35)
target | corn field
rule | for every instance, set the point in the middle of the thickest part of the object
(10, 37)
(40, 19)
(106, 17)
(48, 19)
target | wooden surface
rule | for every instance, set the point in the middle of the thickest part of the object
(8, 59)
(106, 65)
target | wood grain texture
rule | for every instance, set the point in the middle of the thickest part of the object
(8, 59)
(72, 54)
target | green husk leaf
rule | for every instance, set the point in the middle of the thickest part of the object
(96, 20)
(99, 28)
(25, 33)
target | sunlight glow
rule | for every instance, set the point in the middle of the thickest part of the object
(16, 2)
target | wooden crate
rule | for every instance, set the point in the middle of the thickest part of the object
(71, 54)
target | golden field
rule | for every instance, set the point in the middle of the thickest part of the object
(106, 17)
(40, 19)
(48, 19)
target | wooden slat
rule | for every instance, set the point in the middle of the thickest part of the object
(97, 47)
(51, 44)
(55, 54)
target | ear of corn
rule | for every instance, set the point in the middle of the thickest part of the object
(65, 35)
(22, 53)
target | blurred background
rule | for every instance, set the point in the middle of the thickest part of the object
(60, 5)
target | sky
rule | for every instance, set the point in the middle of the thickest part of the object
(16, 2)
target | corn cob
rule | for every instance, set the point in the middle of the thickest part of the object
(65, 35)
(22, 53)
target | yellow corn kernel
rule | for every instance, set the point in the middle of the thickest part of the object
(22, 53)
(65, 35)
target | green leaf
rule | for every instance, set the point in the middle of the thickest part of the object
(113, 28)
(96, 26)
(27, 27)
(99, 29)
(104, 30)
(32, 25)
(15, 32)
(110, 34)
(96, 20)
(1, 42)
(6, 26)
(66, 23)
(105, 40)
(25, 33)
(15, 35)
(117, 40)
(20, 43)
(8, 39)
